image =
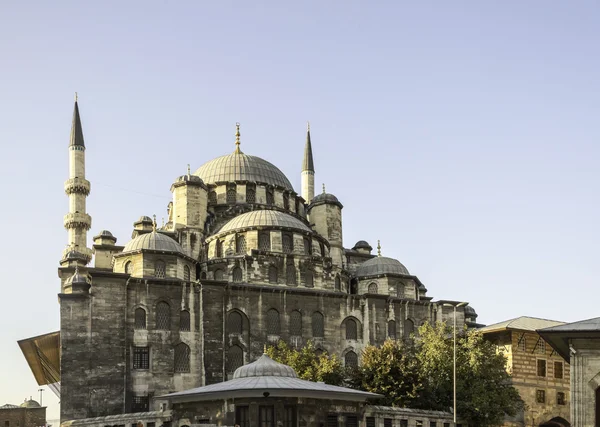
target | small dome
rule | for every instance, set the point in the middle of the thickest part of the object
(190, 178)
(144, 219)
(264, 218)
(241, 167)
(264, 367)
(324, 197)
(30, 404)
(153, 241)
(75, 256)
(362, 244)
(381, 265)
(422, 288)
(470, 311)
(105, 233)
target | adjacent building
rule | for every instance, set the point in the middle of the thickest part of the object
(28, 414)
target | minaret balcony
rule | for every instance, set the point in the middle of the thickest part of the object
(77, 186)
(77, 220)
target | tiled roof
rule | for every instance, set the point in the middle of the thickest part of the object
(522, 323)
(587, 325)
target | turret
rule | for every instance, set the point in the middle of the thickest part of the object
(190, 200)
(77, 221)
(325, 212)
(308, 170)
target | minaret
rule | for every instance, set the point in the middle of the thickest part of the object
(77, 221)
(308, 170)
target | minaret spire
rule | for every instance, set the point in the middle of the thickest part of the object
(308, 169)
(77, 221)
(237, 139)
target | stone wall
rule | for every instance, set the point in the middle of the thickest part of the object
(23, 417)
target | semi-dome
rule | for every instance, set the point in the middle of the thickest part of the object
(264, 367)
(153, 241)
(264, 218)
(242, 167)
(381, 265)
(30, 404)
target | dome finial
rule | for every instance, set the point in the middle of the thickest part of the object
(154, 222)
(188, 169)
(76, 97)
(237, 138)
(323, 188)
(378, 248)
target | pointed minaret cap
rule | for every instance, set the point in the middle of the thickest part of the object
(307, 164)
(76, 129)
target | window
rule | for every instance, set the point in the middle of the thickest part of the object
(286, 201)
(182, 358)
(140, 318)
(309, 279)
(540, 396)
(289, 416)
(240, 245)
(237, 275)
(392, 329)
(540, 347)
(290, 274)
(250, 195)
(446, 424)
(235, 358)
(264, 241)
(141, 358)
(558, 369)
(370, 421)
(373, 288)
(432, 424)
(541, 368)
(273, 274)
(522, 343)
(273, 324)
(218, 249)
(231, 195)
(241, 416)
(212, 197)
(307, 246)
(351, 359)
(351, 421)
(234, 324)
(353, 287)
(163, 316)
(338, 284)
(403, 423)
(184, 321)
(318, 327)
(296, 323)
(128, 267)
(159, 269)
(270, 197)
(186, 273)
(351, 330)
(140, 403)
(387, 422)
(332, 420)
(560, 398)
(265, 416)
(409, 328)
(218, 274)
(287, 244)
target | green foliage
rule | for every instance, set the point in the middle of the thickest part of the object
(308, 364)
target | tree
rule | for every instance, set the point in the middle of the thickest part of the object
(308, 364)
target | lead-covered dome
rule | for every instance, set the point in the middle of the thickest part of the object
(30, 404)
(153, 241)
(242, 167)
(264, 218)
(264, 367)
(381, 265)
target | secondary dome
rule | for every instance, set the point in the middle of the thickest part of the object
(242, 167)
(264, 218)
(153, 241)
(381, 265)
(30, 404)
(264, 367)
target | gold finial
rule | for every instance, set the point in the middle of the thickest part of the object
(323, 188)
(76, 97)
(265, 349)
(237, 138)
(154, 222)
(378, 248)
(308, 126)
(188, 169)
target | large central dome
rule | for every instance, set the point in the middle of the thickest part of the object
(242, 167)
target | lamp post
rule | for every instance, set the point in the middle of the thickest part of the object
(41, 390)
(460, 304)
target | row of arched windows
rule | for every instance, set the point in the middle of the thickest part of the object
(160, 270)
(264, 244)
(162, 318)
(273, 275)
(231, 196)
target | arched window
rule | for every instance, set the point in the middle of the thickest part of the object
(240, 244)
(273, 325)
(219, 249)
(199, 273)
(163, 316)
(212, 197)
(273, 274)
(234, 323)
(351, 359)
(160, 269)
(392, 329)
(264, 241)
(128, 267)
(286, 201)
(218, 274)
(231, 195)
(318, 327)
(373, 288)
(338, 283)
(409, 328)
(287, 244)
(400, 290)
(182, 358)
(250, 195)
(235, 358)
(309, 279)
(140, 319)
(351, 330)
(270, 197)
(186, 273)
(353, 286)
(290, 274)
(237, 275)
(307, 246)
(184, 321)
(296, 323)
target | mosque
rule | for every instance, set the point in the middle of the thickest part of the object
(243, 261)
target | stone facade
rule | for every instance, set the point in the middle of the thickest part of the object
(29, 414)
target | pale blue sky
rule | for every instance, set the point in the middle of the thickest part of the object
(464, 135)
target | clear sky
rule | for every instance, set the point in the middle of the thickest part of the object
(464, 135)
